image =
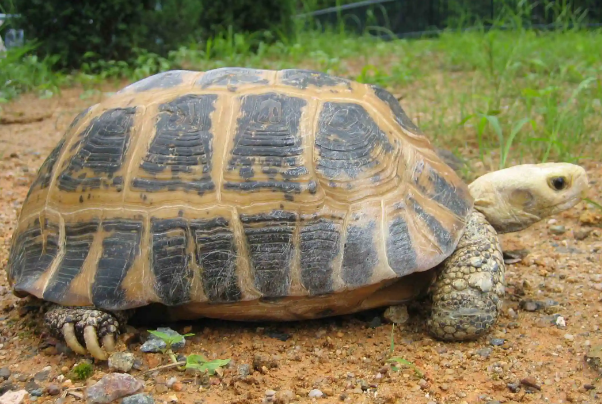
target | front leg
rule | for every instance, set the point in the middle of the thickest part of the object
(469, 291)
(82, 326)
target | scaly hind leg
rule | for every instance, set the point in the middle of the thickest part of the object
(85, 330)
(468, 293)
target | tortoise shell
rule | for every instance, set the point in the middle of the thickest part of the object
(234, 192)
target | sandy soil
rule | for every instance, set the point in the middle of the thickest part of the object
(531, 356)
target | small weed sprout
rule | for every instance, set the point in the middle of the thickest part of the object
(81, 371)
(194, 361)
(398, 360)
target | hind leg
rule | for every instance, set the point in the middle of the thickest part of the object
(85, 330)
(468, 293)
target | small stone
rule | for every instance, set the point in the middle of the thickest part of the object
(7, 386)
(32, 386)
(444, 386)
(139, 398)
(155, 344)
(513, 387)
(497, 341)
(397, 314)
(530, 382)
(484, 352)
(160, 388)
(286, 396)
(53, 390)
(593, 358)
(559, 229)
(315, 393)
(270, 396)
(177, 386)
(530, 305)
(569, 337)
(121, 361)
(42, 375)
(13, 397)
(375, 322)
(581, 234)
(111, 387)
(171, 381)
(244, 370)
(5, 373)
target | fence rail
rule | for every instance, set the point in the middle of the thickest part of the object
(411, 18)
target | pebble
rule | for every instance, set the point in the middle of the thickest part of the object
(53, 390)
(286, 396)
(375, 322)
(244, 370)
(140, 398)
(530, 382)
(32, 387)
(559, 229)
(315, 393)
(497, 341)
(569, 337)
(5, 373)
(42, 375)
(111, 387)
(397, 314)
(155, 344)
(121, 361)
(13, 397)
(484, 352)
(581, 234)
(593, 358)
(270, 396)
(513, 387)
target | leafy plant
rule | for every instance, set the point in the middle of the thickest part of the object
(200, 363)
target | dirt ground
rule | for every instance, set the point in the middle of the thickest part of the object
(534, 354)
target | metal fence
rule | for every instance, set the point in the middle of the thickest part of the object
(406, 18)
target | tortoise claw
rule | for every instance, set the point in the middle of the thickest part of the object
(92, 344)
(71, 340)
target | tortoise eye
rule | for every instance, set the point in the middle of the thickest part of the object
(558, 183)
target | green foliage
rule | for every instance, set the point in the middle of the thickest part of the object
(20, 72)
(115, 30)
(82, 371)
(397, 360)
(200, 363)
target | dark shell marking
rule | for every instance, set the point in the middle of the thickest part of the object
(347, 136)
(78, 240)
(101, 148)
(396, 109)
(303, 78)
(268, 140)
(182, 144)
(270, 242)
(231, 77)
(119, 250)
(320, 244)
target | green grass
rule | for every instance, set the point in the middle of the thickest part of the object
(500, 97)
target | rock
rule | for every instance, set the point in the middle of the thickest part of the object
(111, 387)
(581, 234)
(121, 361)
(593, 358)
(5, 373)
(559, 229)
(140, 398)
(42, 375)
(270, 396)
(397, 314)
(530, 382)
(13, 397)
(261, 361)
(484, 352)
(244, 370)
(513, 387)
(530, 305)
(155, 344)
(497, 341)
(53, 390)
(33, 388)
(569, 337)
(375, 322)
(315, 393)
(559, 322)
(286, 396)
(6, 386)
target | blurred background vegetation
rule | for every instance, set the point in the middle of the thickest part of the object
(500, 81)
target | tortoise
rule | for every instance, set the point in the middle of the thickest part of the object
(246, 194)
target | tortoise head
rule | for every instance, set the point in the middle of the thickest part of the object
(514, 198)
